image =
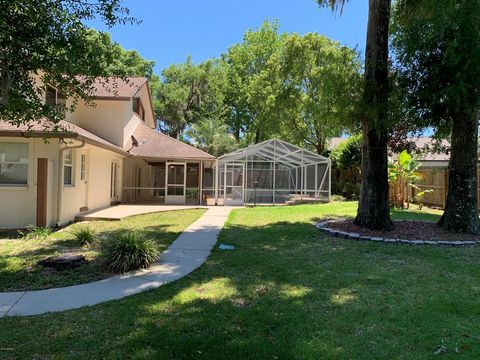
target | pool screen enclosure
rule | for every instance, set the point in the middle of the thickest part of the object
(271, 172)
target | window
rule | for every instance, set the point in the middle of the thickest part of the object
(137, 107)
(13, 163)
(68, 168)
(51, 96)
(54, 98)
(83, 167)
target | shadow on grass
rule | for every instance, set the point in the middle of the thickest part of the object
(21, 270)
(285, 292)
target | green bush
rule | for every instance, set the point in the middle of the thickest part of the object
(37, 232)
(129, 251)
(84, 235)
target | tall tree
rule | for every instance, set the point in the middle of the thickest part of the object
(437, 45)
(319, 89)
(190, 93)
(251, 114)
(48, 39)
(373, 208)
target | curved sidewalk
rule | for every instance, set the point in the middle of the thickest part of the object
(185, 254)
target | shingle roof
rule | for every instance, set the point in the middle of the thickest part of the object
(62, 129)
(153, 144)
(426, 147)
(117, 88)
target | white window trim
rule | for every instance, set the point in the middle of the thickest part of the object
(72, 184)
(18, 186)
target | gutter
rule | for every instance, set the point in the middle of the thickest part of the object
(60, 178)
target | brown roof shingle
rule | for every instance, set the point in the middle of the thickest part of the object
(62, 129)
(153, 144)
(117, 88)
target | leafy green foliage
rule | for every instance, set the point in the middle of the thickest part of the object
(190, 94)
(402, 175)
(211, 135)
(36, 233)
(437, 44)
(129, 251)
(47, 40)
(348, 153)
(251, 111)
(319, 90)
(346, 162)
(84, 235)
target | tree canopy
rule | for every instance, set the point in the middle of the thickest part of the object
(437, 46)
(48, 39)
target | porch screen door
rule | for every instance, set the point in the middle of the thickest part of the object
(234, 187)
(175, 181)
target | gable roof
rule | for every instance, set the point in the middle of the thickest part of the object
(117, 88)
(153, 144)
(276, 150)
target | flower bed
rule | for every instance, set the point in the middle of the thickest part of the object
(408, 232)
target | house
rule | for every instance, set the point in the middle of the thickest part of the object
(99, 155)
(434, 157)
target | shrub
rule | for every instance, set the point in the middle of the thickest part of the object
(129, 251)
(37, 232)
(84, 235)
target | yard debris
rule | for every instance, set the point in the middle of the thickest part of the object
(262, 289)
(240, 303)
(65, 261)
(440, 350)
(226, 247)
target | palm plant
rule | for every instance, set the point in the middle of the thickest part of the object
(403, 175)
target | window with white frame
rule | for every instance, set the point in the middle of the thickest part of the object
(13, 164)
(68, 168)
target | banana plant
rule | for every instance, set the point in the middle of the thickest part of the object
(402, 175)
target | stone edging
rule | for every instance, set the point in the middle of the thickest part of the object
(323, 226)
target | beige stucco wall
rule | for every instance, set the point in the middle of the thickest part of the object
(105, 119)
(18, 203)
(94, 191)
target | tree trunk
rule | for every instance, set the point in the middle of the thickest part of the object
(257, 136)
(461, 212)
(373, 208)
(320, 147)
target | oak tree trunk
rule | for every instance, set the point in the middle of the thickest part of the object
(461, 212)
(373, 208)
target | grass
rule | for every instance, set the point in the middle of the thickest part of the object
(285, 292)
(19, 256)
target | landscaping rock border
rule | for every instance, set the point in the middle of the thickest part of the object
(323, 226)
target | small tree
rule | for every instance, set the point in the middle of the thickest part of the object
(402, 176)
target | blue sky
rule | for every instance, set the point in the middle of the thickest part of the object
(173, 29)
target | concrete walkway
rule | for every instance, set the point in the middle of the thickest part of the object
(121, 211)
(185, 254)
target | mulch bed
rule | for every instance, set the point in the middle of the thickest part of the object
(409, 230)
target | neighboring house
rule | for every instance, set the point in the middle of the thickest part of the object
(434, 169)
(102, 154)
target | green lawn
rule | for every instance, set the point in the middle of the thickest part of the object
(18, 257)
(286, 292)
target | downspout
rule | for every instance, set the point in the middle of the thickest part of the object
(60, 178)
